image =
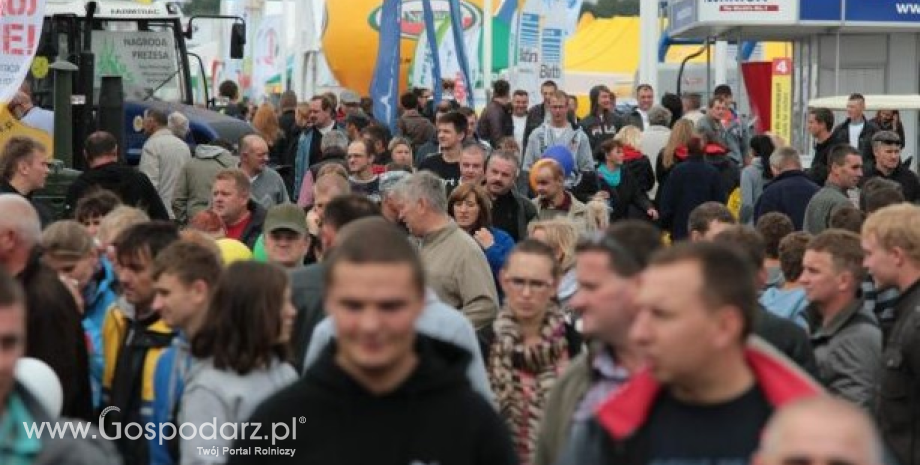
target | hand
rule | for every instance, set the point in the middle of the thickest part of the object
(484, 238)
(652, 213)
(74, 287)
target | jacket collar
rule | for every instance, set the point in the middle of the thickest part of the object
(439, 235)
(821, 332)
(790, 174)
(782, 382)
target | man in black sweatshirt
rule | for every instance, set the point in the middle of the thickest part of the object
(379, 393)
(106, 172)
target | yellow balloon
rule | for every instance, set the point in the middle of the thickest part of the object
(351, 38)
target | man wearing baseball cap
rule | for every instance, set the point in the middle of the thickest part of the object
(286, 237)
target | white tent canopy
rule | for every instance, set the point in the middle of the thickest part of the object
(873, 102)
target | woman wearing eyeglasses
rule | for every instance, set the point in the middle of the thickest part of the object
(530, 344)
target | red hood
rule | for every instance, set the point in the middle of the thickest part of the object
(630, 153)
(681, 153)
(714, 150)
(781, 381)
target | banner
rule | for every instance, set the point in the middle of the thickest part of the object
(267, 60)
(781, 98)
(21, 23)
(572, 12)
(385, 83)
(431, 40)
(540, 35)
(456, 25)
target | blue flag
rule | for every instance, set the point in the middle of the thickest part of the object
(432, 35)
(456, 26)
(385, 84)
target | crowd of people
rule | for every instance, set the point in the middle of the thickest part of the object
(516, 286)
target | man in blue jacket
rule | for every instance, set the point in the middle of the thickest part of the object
(790, 190)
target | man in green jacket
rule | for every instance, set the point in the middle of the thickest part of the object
(608, 268)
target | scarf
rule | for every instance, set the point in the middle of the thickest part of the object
(513, 365)
(612, 178)
(630, 153)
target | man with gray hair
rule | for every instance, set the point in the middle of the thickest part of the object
(178, 124)
(54, 332)
(886, 147)
(454, 262)
(791, 189)
(389, 207)
(820, 430)
(163, 156)
(656, 135)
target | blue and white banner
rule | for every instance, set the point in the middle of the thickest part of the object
(460, 44)
(432, 41)
(385, 83)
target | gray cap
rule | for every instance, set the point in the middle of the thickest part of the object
(349, 97)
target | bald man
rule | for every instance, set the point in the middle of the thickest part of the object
(821, 430)
(54, 333)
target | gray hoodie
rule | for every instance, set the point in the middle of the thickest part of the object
(225, 397)
(193, 191)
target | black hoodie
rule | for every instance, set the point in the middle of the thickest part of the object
(131, 186)
(600, 125)
(434, 417)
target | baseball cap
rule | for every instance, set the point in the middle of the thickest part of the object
(349, 97)
(286, 216)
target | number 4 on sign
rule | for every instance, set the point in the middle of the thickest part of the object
(782, 66)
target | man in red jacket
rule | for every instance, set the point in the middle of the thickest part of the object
(708, 389)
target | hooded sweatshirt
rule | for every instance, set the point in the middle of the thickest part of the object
(130, 185)
(193, 192)
(621, 430)
(433, 417)
(600, 125)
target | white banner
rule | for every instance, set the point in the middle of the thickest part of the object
(749, 12)
(540, 46)
(267, 60)
(21, 23)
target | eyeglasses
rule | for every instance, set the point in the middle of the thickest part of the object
(519, 284)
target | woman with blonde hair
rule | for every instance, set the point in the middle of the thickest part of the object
(401, 152)
(561, 236)
(673, 153)
(267, 125)
(633, 159)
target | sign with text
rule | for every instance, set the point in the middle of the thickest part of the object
(146, 60)
(20, 28)
(748, 11)
(781, 98)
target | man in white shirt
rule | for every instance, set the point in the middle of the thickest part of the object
(645, 96)
(520, 101)
(36, 117)
(856, 129)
